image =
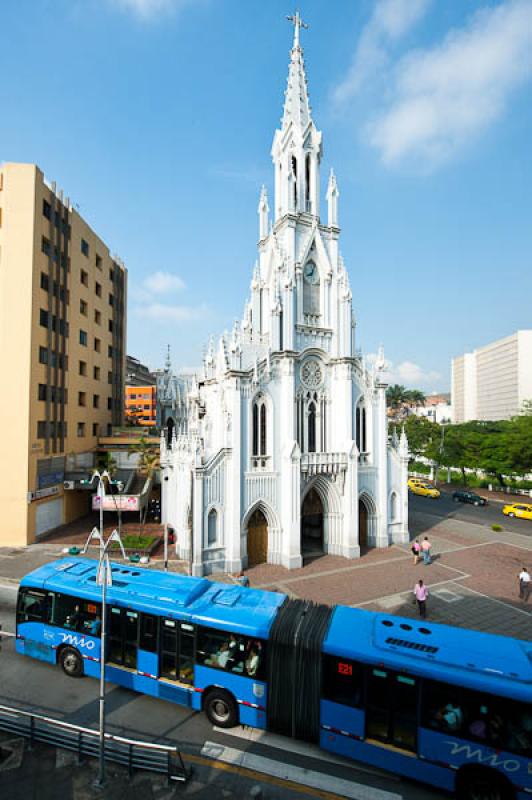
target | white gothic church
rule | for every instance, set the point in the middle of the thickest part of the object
(283, 449)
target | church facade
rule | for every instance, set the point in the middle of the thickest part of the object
(283, 449)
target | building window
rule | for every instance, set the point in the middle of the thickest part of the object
(96, 373)
(97, 316)
(110, 351)
(46, 246)
(82, 398)
(43, 318)
(46, 209)
(42, 391)
(43, 355)
(311, 428)
(259, 424)
(83, 338)
(360, 427)
(110, 326)
(45, 281)
(97, 345)
(211, 526)
(111, 300)
(109, 377)
(109, 403)
(95, 429)
(98, 289)
(84, 277)
(98, 261)
(311, 290)
(80, 429)
(83, 307)
(96, 401)
(82, 367)
(84, 247)
(42, 429)
(111, 275)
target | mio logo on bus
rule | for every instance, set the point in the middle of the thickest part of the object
(78, 641)
(475, 754)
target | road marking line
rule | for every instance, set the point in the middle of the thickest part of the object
(500, 602)
(279, 742)
(260, 776)
(298, 775)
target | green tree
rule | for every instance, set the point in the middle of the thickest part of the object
(526, 408)
(396, 395)
(148, 455)
(105, 461)
(423, 436)
(416, 397)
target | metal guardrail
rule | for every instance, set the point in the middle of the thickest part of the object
(131, 753)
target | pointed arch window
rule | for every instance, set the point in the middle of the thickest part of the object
(212, 526)
(311, 440)
(361, 427)
(294, 173)
(259, 434)
(308, 207)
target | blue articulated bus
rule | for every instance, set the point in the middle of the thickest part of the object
(442, 705)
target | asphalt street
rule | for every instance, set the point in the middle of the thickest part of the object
(32, 685)
(444, 507)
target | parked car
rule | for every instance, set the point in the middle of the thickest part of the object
(422, 488)
(469, 497)
(522, 510)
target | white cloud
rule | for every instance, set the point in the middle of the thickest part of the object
(148, 9)
(445, 96)
(163, 282)
(391, 19)
(408, 374)
(159, 312)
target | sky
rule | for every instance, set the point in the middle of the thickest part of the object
(156, 117)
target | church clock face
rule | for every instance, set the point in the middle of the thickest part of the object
(310, 273)
(311, 374)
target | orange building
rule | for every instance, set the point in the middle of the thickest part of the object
(141, 405)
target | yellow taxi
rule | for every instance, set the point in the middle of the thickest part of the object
(418, 486)
(522, 510)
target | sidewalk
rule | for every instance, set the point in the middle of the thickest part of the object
(472, 580)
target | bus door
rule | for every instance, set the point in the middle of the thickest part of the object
(122, 640)
(177, 652)
(391, 708)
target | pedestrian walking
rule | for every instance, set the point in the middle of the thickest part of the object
(524, 584)
(416, 549)
(421, 593)
(425, 549)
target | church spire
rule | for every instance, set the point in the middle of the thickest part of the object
(296, 149)
(296, 104)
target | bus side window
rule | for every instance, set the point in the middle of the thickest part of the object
(342, 681)
(33, 606)
(148, 633)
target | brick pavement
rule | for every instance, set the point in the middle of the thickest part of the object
(473, 579)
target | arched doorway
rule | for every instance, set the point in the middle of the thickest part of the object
(312, 523)
(362, 523)
(257, 538)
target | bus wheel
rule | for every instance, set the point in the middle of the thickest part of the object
(71, 662)
(483, 784)
(221, 709)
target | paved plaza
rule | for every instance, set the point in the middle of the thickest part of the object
(472, 580)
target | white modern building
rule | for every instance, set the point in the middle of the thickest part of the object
(285, 446)
(492, 383)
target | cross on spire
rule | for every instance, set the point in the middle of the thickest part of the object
(298, 23)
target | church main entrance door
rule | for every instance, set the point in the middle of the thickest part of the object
(312, 523)
(257, 538)
(362, 524)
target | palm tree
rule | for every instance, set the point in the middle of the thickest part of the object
(148, 464)
(416, 397)
(396, 395)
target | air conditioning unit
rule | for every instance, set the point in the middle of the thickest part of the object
(69, 484)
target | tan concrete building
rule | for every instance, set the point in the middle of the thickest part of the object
(62, 352)
(492, 383)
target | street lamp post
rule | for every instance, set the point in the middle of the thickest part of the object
(104, 578)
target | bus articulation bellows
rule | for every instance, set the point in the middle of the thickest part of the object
(447, 706)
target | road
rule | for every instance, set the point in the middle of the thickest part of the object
(445, 507)
(45, 689)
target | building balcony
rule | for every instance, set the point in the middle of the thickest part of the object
(323, 463)
(260, 463)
